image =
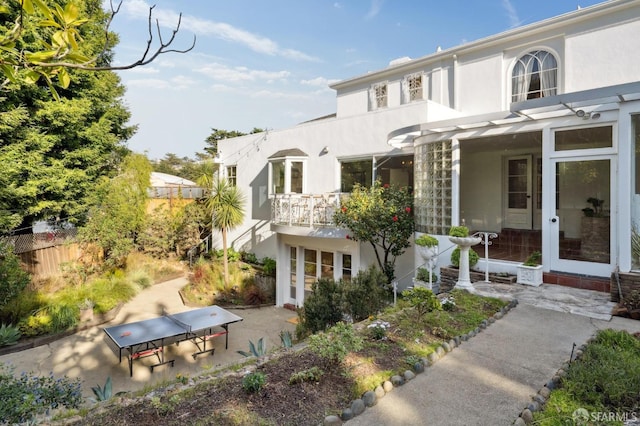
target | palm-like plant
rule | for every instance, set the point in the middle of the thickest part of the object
(226, 202)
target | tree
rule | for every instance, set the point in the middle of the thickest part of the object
(226, 202)
(118, 211)
(60, 45)
(53, 152)
(381, 216)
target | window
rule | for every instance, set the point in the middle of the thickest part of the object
(277, 168)
(346, 267)
(378, 96)
(592, 137)
(352, 172)
(433, 179)
(535, 75)
(326, 260)
(287, 172)
(293, 267)
(231, 175)
(412, 88)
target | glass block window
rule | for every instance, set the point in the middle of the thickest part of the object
(433, 187)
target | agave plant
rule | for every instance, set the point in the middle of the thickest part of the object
(286, 339)
(258, 351)
(103, 393)
(9, 335)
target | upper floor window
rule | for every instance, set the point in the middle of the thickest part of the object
(287, 172)
(378, 96)
(412, 88)
(535, 75)
(231, 175)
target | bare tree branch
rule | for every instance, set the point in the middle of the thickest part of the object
(147, 57)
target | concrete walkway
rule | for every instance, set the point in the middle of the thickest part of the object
(491, 378)
(87, 356)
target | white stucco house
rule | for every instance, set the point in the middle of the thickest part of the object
(510, 134)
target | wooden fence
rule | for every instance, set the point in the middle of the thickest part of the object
(45, 262)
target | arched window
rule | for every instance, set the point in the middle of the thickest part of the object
(535, 75)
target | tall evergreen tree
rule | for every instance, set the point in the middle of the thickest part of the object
(56, 151)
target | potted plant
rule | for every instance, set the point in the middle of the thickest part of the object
(86, 310)
(427, 247)
(425, 279)
(530, 272)
(594, 232)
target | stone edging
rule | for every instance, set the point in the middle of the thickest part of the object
(370, 398)
(540, 399)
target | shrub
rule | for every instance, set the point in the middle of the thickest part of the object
(378, 329)
(12, 278)
(253, 382)
(533, 259)
(269, 266)
(312, 374)
(248, 257)
(232, 255)
(23, 398)
(322, 308)
(253, 295)
(459, 231)
(336, 343)
(455, 257)
(426, 240)
(422, 300)
(9, 335)
(423, 275)
(36, 324)
(365, 294)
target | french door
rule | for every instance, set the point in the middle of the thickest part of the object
(580, 226)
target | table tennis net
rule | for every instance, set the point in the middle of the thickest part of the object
(184, 325)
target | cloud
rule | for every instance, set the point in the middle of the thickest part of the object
(221, 30)
(318, 82)
(514, 20)
(376, 6)
(144, 70)
(237, 74)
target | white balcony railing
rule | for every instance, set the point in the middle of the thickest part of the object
(308, 210)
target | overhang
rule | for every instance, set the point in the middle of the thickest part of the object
(585, 103)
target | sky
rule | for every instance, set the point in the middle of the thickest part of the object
(268, 64)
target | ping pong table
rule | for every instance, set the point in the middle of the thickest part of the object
(146, 338)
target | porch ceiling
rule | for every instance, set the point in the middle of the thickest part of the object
(589, 101)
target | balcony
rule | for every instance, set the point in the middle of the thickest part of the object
(305, 210)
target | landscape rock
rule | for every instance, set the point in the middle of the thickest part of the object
(347, 414)
(379, 390)
(397, 380)
(387, 386)
(369, 398)
(409, 375)
(332, 420)
(357, 407)
(527, 416)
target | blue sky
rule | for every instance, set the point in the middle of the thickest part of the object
(268, 64)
